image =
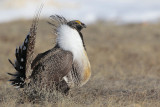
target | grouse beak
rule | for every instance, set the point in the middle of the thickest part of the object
(83, 25)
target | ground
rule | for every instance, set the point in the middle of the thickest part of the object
(125, 61)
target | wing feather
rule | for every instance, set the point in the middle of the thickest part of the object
(53, 64)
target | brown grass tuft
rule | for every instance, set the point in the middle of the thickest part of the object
(125, 61)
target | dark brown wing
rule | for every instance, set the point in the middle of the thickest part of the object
(53, 64)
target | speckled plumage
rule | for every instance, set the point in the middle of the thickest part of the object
(66, 65)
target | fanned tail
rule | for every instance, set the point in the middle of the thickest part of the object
(24, 55)
(20, 64)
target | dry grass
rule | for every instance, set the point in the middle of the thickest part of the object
(125, 62)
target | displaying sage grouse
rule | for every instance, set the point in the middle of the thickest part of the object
(66, 65)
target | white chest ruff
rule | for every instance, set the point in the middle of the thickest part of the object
(70, 40)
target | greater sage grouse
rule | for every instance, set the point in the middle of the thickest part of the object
(66, 65)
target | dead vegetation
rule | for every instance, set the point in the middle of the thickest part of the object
(125, 62)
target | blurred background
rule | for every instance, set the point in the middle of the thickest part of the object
(89, 11)
(122, 40)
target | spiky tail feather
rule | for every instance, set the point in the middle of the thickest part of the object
(24, 55)
(20, 64)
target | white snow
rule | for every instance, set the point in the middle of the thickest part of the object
(87, 11)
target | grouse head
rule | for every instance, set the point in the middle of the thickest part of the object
(76, 24)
